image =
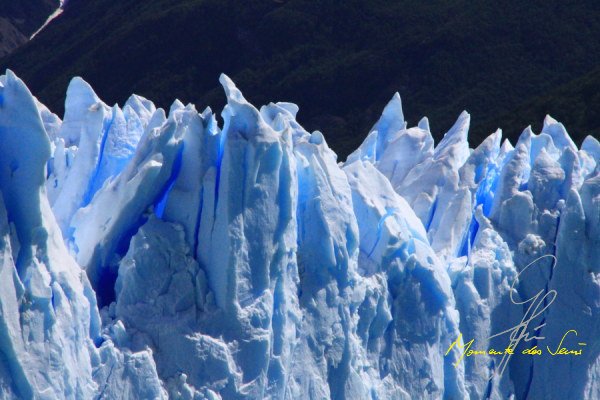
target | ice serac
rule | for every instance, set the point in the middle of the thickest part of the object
(497, 207)
(228, 253)
(49, 319)
(558, 133)
(158, 276)
(248, 244)
(143, 107)
(483, 288)
(201, 151)
(328, 361)
(92, 146)
(389, 126)
(418, 316)
(100, 229)
(52, 122)
(433, 190)
(48, 310)
(575, 316)
(80, 141)
(427, 177)
(119, 143)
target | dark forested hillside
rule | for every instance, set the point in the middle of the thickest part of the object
(19, 19)
(340, 61)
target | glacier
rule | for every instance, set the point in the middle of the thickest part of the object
(152, 254)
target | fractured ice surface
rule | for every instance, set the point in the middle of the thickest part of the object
(152, 255)
(50, 328)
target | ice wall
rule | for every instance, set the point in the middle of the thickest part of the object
(155, 255)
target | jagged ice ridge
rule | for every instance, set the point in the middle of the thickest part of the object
(152, 255)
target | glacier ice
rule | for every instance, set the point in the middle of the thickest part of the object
(50, 323)
(151, 254)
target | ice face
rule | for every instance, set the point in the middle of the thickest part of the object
(154, 256)
(491, 212)
(82, 132)
(50, 324)
(100, 229)
(395, 250)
